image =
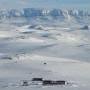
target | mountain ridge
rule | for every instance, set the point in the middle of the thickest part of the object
(35, 12)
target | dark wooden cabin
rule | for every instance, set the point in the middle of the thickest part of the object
(50, 82)
(37, 79)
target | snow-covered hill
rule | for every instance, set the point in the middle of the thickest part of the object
(41, 43)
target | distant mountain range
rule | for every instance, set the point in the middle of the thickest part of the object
(43, 13)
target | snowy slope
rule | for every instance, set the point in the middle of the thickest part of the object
(53, 44)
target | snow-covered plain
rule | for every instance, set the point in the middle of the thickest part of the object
(25, 47)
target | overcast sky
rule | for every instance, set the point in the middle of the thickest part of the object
(44, 3)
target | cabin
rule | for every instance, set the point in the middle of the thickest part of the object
(40, 81)
(47, 82)
(60, 82)
(50, 82)
(37, 79)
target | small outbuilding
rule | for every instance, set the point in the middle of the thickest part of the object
(86, 27)
(25, 83)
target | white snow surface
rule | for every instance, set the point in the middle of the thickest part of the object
(25, 47)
